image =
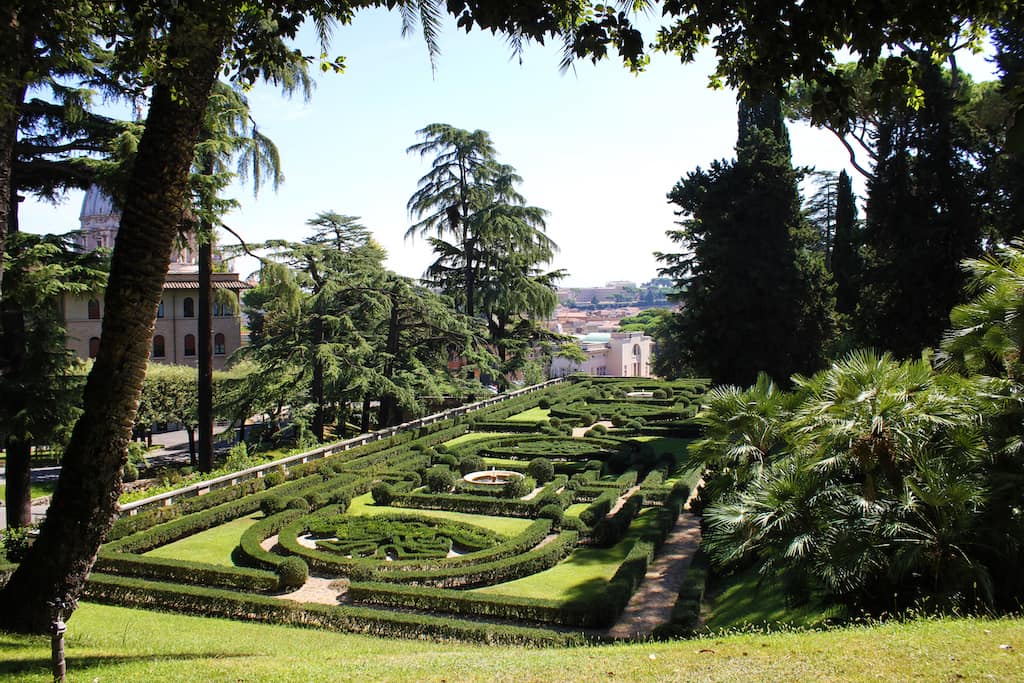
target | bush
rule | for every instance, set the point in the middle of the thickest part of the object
(238, 458)
(541, 469)
(275, 478)
(129, 472)
(293, 572)
(471, 463)
(297, 503)
(440, 479)
(598, 430)
(544, 404)
(659, 393)
(552, 512)
(14, 541)
(554, 422)
(446, 459)
(341, 498)
(518, 488)
(382, 493)
(273, 504)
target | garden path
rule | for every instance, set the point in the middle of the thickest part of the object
(651, 605)
(317, 589)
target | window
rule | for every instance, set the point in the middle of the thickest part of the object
(190, 343)
(160, 309)
(190, 307)
(218, 344)
(94, 309)
(217, 310)
(158, 346)
(94, 346)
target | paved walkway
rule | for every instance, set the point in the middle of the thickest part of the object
(651, 605)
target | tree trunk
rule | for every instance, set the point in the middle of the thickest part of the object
(317, 384)
(84, 503)
(206, 348)
(191, 432)
(18, 496)
(364, 425)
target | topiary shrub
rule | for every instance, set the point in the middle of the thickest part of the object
(275, 478)
(439, 479)
(341, 499)
(297, 503)
(599, 430)
(292, 573)
(659, 393)
(382, 493)
(555, 422)
(273, 504)
(316, 499)
(446, 459)
(552, 512)
(129, 472)
(471, 463)
(544, 404)
(519, 487)
(541, 469)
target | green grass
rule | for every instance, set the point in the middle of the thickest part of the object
(476, 436)
(507, 526)
(584, 574)
(213, 545)
(38, 490)
(747, 599)
(575, 509)
(115, 644)
(531, 415)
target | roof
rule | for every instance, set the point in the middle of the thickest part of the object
(194, 284)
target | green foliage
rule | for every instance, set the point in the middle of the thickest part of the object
(742, 222)
(439, 478)
(15, 542)
(541, 469)
(238, 458)
(382, 493)
(292, 573)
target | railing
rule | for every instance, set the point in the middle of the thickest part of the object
(202, 487)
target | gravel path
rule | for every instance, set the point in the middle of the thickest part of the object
(316, 589)
(651, 605)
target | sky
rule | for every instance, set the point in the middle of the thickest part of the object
(597, 147)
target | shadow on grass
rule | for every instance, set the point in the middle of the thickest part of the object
(588, 591)
(41, 665)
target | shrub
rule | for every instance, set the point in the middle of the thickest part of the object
(14, 541)
(275, 478)
(446, 459)
(382, 493)
(659, 393)
(440, 479)
(293, 572)
(544, 404)
(519, 487)
(555, 422)
(598, 429)
(273, 504)
(297, 503)
(541, 469)
(129, 472)
(552, 512)
(471, 463)
(238, 458)
(341, 498)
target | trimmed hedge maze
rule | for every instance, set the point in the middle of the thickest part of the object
(413, 549)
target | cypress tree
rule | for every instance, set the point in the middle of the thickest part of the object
(754, 293)
(845, 261)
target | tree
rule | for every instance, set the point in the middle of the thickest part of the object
(40, 393)
(922, 220)
(754, 294)
(845, 263)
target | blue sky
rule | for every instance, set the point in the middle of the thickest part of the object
(597, 147)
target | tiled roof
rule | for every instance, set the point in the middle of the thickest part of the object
(194, 284)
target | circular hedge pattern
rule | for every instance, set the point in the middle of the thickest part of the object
(407, 537)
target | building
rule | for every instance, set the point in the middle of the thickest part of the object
(615, 354)
(175, 334)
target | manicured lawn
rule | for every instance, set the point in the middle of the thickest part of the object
(750, 599)
(531, 415)
(116, 644)
(575, 509)
(509, 526)
(504, 463)
(475, 436)
(583, 574)
(213, 545)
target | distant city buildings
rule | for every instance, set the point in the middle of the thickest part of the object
(615, 354)
(175, 334)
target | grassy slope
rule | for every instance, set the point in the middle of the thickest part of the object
(584, 574)
(532, 415)
(116, 644)
(476, 436)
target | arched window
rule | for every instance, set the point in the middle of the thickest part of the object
(94, 309)
(190, 343)
(218, 344)
(160, 309)
(217, 309)
(94, 346)
(158, 346)
(190, 307)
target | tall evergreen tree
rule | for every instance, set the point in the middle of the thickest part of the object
(755, 295)
(922, 221)
(845, 261)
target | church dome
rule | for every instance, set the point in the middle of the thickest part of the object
(97, 204)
